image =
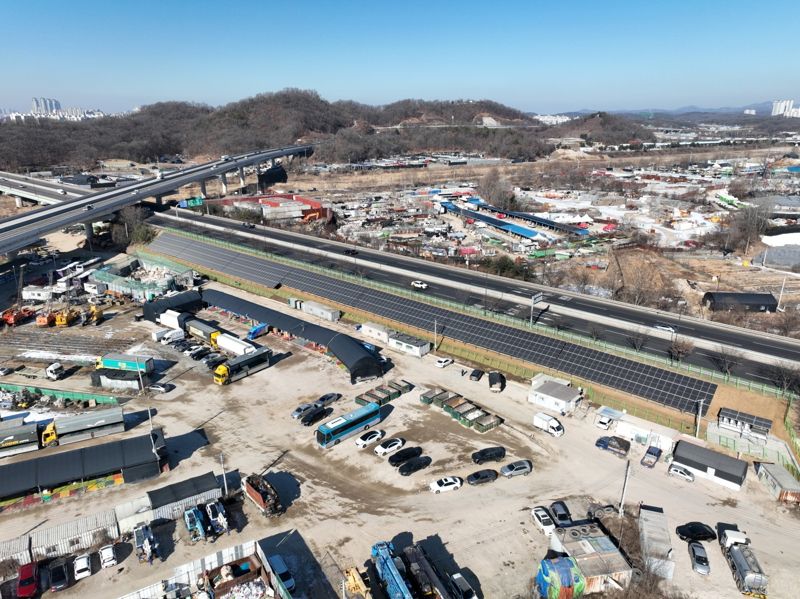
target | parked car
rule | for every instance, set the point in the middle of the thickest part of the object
(414, 465)
(482, 476)
(389, 446)
(604, 422)
(200, 353)
(58, 575)
(159, 388)
(448, 483)
(616, 445)
(214, 362)
(419, 284)
(651, 456)
(699, 557)
(327, 399)
(695, 531)
(523, 467)
(108, 557)
(191, 349)
(543, 520)
(476, 375)
(281, 570)
(489, 454)
(560, 512)
(302, 410)
(82, 567)
(680, 472)
(28, 580)
(5, 371)
(405, 454)
(369, 438)
(314, 416)
(443, 362)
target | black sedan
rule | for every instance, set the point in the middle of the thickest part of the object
(489, 454)
(414, 464)
(314, 416)
(696, 531)
(482, 476)
(404, 455)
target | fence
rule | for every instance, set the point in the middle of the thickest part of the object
(74, 396)
(683, 425)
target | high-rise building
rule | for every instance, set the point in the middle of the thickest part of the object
(42, 106)
(782, 107)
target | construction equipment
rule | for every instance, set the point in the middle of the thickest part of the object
(750, 578)
(46, 318)
(16, 314)
(66, 317)
(195, 524)
(93, 316)
(392, 578)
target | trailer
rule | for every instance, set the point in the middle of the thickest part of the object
(750, 578)
(262, 494)
(242, 366)
(173, 319)
(128, 362)
(60, 431)
(387, 566)
(202, 330)
(234, 345)
(424, 576)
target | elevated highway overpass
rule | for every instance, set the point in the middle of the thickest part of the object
(22, 230)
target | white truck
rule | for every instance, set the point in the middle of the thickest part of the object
(55, 371)
(750, 578)
(548, 424)
(234, 345)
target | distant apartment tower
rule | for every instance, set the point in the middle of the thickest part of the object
(45, 106)
(782, 107)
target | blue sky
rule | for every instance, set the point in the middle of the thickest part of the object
(535, 55)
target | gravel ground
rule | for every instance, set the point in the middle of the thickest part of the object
(343, 500)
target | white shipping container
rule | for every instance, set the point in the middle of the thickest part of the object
(234, 345)
(32, 293)
(321, 311)
(159, 335)
(376, 331)
(170, 319)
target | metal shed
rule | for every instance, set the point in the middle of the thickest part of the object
(750, 302)
(655, 541)
(186, 301)
(720, 468)
(779, 482)
(17, 549)
(77, 535)
(169, 502)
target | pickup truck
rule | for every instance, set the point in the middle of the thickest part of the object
(616, 445)
(651, 456)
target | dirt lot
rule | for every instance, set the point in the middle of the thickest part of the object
(343, 500)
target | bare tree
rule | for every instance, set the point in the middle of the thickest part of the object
(496, 190)
(638, 339)
(726, 359)
(788, 322)
(785, 376)
(580, 277)
(680, 348)
(595, 332)
(558, 323)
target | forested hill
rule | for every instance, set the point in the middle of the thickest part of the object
(355, 131)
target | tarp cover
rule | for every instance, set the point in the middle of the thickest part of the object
(182, 490)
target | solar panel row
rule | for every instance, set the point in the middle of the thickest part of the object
(665, 387)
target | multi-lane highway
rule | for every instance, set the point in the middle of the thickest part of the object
(517, 293)
(44, 192)
(19, 231)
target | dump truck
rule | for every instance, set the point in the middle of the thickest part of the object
(130, 362)
(242, 366)
(548, 424)
(145, 543)
(60, 431)
(750, 578)
(263, 494)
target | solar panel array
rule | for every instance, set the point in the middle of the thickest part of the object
(655, 384)
(755, 422)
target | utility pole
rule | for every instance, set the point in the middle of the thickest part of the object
(699, 416)
(434, 334)
(530, 322)
(224, 477)
(780, 295)
(624, 489)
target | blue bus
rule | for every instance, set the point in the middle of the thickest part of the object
(330, 433)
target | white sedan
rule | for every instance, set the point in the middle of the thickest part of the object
(83, 567)
(369, 438)
(443, 362)
(541, 517)
(419, 284)
(389, 446)
(448, 483)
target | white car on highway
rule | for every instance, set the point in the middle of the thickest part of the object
(448, 483)
(419, 284)
(389, 446)
(369, 438)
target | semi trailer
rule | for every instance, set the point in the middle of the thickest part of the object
(750, 578)
(143, 364)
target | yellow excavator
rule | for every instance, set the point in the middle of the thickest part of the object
(93, 316)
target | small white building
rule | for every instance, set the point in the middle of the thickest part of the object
(321, 311)
(409, 345)
(554, 394)
(34, 293)
(376, 331)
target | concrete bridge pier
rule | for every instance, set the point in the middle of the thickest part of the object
(203, 188)
(87, 227)
(18, 202)
(241, 177)
(223, 181)
(159, 200)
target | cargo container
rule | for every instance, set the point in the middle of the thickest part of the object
(445, 396)
(173, 319)
(128, 362)
(202, 330)
(426, 397)
(159, 334)
(487, 423)
(234, 345)
(320, 311)
(262, 494)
